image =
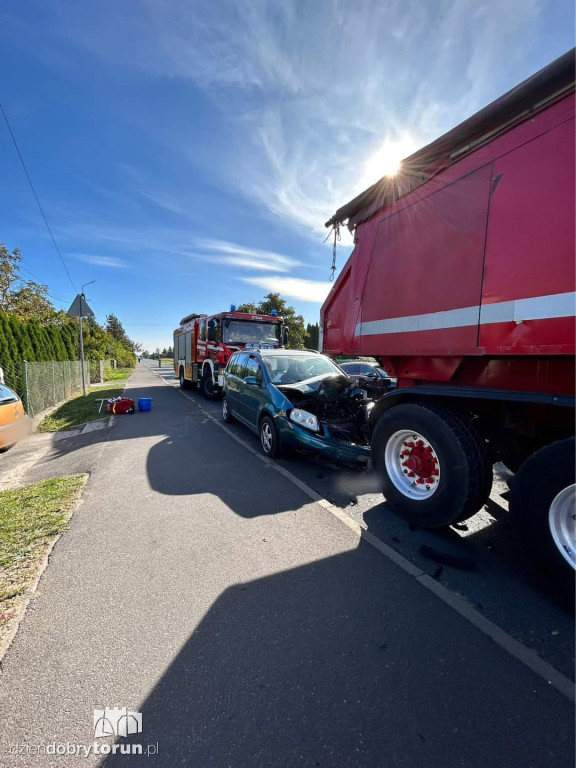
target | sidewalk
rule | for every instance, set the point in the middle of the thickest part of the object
(200, 587)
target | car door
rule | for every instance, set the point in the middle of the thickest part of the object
(254, 392)
(234, 381)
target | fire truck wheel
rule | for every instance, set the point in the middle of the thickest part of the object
(208, 387)
(433, 465)
(269, 438)
(184, 383)
(543, 509)
(226, 415)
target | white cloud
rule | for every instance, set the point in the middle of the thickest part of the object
(100, 261)
(292, 287)
(245, 257)
(310, 98)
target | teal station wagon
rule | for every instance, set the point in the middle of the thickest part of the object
(297, 399)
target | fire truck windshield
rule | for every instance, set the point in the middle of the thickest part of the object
(249, 332)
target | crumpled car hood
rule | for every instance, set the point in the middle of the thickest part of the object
(327, 387)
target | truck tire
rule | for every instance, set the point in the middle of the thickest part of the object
(433, 465)
(542, 505)
(207, 385)
(184, 383)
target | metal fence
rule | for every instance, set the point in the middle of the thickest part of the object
(47, 384)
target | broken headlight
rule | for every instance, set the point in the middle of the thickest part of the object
(304, 418)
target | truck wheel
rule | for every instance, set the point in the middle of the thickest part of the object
(208, 387)
(433, 465)
(269, 438)
(184, 384)
(543, 509)
(226, 415)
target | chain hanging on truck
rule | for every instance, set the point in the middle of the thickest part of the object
(336, 231)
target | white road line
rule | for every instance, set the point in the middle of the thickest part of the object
(525, 655)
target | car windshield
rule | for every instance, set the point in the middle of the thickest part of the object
(249, 332)
(382, 372)
(287, 369)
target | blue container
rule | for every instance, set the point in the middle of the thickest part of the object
(144, 403)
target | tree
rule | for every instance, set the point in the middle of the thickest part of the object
(115, 328)
(293, 322)
(9, 274)
(31, 301)
(312, 335)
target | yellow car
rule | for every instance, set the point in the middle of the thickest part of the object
(13, 419)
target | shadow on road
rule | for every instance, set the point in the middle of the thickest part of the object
(344, 662)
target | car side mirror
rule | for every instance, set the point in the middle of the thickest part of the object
(371, 376)
(252, 380)
(284, 337)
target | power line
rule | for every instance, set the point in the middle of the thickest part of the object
(54, 298)
(41, 282)
(36, 197)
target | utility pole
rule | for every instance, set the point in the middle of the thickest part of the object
(81, 309)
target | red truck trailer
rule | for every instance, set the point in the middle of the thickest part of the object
(461, 284)
(203, 345)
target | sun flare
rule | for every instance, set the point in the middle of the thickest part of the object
(387, 161)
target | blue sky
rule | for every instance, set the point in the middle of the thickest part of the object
(187, 152)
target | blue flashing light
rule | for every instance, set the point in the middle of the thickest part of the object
(232, 307)
(273, 312)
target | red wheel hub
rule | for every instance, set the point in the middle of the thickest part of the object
(420, 461)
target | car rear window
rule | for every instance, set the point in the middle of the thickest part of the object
(6, 395)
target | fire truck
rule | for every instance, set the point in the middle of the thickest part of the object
(203, 345)
(461, 285)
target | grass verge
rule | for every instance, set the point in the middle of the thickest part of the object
(31, 518)
(117, 374)
(80, 409)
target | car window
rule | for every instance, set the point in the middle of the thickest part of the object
(252, 368)
(240, 364)
(6, 395)
(364, 369)
(350, 367)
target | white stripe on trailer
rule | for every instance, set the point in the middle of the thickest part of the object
(534, 308)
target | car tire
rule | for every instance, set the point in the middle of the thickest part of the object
(207, 386)
(269, 438)
(413, 443)
(542, 497)
(226, 415)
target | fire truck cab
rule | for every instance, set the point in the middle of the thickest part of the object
(203, 345)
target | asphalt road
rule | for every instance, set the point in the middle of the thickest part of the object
(249, 626)
(502, 584)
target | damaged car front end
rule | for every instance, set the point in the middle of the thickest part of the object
(301, 400)
(329, 414)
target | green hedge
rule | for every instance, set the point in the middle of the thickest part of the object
(28, 340)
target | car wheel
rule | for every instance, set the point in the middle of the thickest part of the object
(543, 509)
(226, 415)
(433, 465)
(269, 438)
(208, 387)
